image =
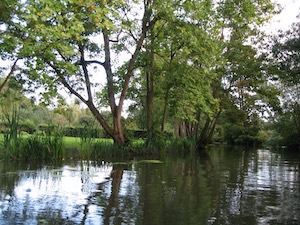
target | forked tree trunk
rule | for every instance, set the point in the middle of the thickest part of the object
(208, 130)
(117, 133)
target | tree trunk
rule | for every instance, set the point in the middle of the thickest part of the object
(213, 126)
(198, 116)
(202, 141)
(150, 94)
(116, 109)
(118, 136)
(164, 117)
(117, 133)
(176, 130)
(208, 130)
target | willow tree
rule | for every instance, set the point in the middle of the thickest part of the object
(61, 42)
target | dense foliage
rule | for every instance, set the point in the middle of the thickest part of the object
(286, 55)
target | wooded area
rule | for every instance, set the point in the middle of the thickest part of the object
(187, 69)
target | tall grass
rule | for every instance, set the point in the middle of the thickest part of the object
(11, 140)
(45, 146)
(53, 146)
(86, 142)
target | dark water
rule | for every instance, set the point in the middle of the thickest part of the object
(227, 186)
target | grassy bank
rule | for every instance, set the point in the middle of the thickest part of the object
(57, 147)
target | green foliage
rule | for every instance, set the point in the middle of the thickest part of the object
(286, 55)
(286, 68)
(285, 130)
(181, 147)
(28, 126)
(241, 128)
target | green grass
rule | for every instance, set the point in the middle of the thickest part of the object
(70, 142)
(34, 146)
(57, 147)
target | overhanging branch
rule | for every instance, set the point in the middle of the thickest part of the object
(65, 83)
(94, 62)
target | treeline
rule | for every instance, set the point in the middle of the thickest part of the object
(68, 131)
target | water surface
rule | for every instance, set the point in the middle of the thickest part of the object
(227, 186)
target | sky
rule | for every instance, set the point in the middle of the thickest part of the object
(291, 8)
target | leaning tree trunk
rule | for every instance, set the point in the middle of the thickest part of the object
(9, 74)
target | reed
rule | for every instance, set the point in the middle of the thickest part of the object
(87, 141)
(44, 146)
(11, 138)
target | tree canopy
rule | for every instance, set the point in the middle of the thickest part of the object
(179, 60)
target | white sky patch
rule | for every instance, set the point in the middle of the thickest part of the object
(288, 15)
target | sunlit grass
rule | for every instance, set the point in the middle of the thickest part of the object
(68, 142)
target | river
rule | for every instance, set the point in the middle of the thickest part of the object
(226, 186)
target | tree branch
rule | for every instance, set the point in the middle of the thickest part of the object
(65, 83)
(13, 67)
(146, 27)
(109, 74)
(87, 62)
(86, 74)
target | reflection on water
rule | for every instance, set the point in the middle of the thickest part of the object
(50, 194)
(227, 186)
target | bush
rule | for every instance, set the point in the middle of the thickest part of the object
(28, 126)
(81, 131)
